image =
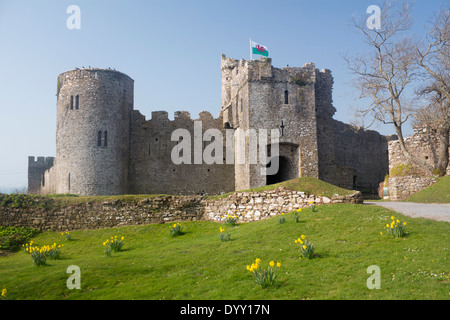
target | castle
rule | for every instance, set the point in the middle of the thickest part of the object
(105, 147)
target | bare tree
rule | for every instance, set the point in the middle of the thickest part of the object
(385, 76)
(434, 59)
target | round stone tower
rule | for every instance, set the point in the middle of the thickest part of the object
(92, 134)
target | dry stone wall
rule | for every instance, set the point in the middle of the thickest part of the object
(254, 206)
(401, 188)
(248, 206)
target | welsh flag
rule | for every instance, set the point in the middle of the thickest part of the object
(259, 49)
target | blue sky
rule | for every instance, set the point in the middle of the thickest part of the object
(171, 49)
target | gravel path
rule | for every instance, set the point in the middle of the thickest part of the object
(434, 211)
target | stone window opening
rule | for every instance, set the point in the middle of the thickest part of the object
(77, 102)
(102, 138)
(105, 139)
(71, 102)
(99, 138)
(286, 97)
(68, 181)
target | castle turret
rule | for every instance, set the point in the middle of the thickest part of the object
(93, 128)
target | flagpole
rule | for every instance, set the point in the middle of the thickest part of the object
(251, 51)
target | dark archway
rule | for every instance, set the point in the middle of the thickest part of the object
(284, 172)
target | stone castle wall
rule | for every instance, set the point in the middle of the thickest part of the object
(36, 172)
(152, 170)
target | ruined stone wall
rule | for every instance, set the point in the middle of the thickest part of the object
(330, 170)
(365, 151)
(401, 188)
(347, 157)
(152, 169)
(423, 144)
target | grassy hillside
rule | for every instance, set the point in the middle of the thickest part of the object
(437, 193)
(306, 184)
(198, 265)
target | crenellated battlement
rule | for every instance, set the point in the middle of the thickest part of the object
(40, 161)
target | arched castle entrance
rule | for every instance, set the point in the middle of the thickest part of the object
(288, 164)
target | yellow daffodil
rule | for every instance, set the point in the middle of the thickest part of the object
(303, 237)
(271, 263)
(278, 264)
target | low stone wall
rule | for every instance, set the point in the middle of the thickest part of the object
(254, 206)
(162, 209)
(401, 188)
(107, 214)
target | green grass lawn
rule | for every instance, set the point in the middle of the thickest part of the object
(197, 265)
(437, 193)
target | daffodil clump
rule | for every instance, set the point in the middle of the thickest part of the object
(40, 254)
(297, 215)
(113, 244)
(230, 220)
(396, 228)
(176, 229)
(224, 236)
(265, 277)
(3, 296)
(313, 206)
(306, 247)
(282, 218)
(67, 235)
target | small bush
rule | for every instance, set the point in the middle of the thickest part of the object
(401, 170)
(11, 238)
(437, 172)
(23, 200)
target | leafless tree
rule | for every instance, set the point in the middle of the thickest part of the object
(385, 76)
(434, 59)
